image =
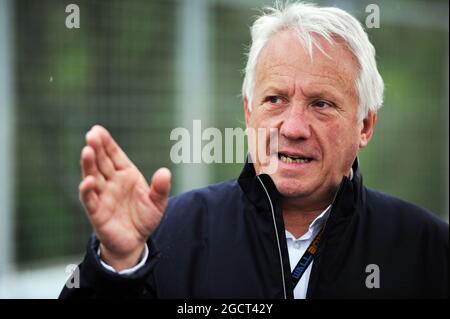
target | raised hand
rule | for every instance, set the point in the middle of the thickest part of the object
(123, 209)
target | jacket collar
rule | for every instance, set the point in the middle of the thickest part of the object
(349, 194)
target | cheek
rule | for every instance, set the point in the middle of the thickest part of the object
(334, 136)
(254, 119)
(340, 139)
(263, 119)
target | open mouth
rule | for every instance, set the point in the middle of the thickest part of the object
(289, 159)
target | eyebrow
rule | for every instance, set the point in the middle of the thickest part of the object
(322, 92)
(325, 92)
(276, 89)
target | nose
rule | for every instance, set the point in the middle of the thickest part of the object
(296, 125)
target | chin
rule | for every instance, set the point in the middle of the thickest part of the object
(292, 188)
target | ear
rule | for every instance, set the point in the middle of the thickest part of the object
(368, 126)
(247, 112)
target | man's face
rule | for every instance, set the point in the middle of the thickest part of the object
(314, 105)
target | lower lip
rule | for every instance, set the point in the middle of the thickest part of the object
(294, 165)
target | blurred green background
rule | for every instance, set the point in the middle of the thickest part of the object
(142, 68)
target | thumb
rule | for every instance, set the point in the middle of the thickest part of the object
(160, 188)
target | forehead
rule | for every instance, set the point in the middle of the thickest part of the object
(284, 59)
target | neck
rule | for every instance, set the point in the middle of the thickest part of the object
(299, 212)
(298, 218)
(297, 223)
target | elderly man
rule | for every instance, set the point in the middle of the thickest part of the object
(308, 229)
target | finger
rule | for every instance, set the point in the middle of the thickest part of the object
(113, 150)
(104, 163)
(88, 196)
(89, 167)
(88, 164)
(91, 182)
(160, 188)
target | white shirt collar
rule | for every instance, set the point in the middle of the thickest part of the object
(313, 227)
(317, 222)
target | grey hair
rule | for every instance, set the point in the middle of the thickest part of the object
(308, 19)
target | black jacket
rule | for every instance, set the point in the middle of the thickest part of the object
(228, 241)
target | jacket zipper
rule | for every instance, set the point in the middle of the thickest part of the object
(276, 230)
(341, 186)
(276, 234)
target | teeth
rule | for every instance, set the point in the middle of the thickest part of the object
(290, 160)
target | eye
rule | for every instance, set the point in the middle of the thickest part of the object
(322, 104)
(275, 99)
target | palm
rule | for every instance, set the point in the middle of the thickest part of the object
(125, 216)
(123, 209)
